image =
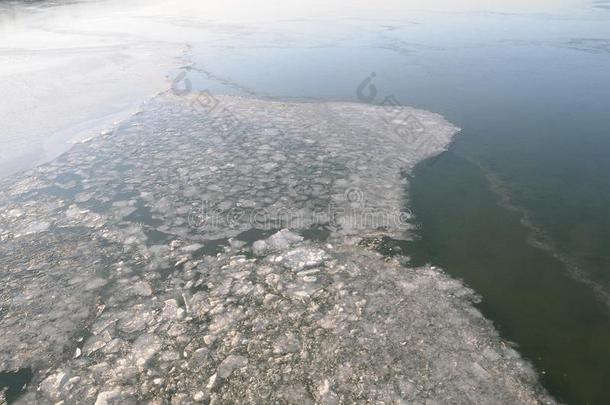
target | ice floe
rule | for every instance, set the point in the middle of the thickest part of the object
(195, 257)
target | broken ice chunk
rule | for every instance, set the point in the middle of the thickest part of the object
(36, 227)
(95, 284)
(172, 311)
(304, 257)
(142, 288)
(283, 239)
(287, 344)
(192, 248)
(144, 348)
(231, 363)
(259, 247)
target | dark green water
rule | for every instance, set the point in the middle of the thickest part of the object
(557, 322)
(14, 382)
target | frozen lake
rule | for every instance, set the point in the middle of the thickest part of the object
(519, 206)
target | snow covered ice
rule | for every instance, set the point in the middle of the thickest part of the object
(188, 257)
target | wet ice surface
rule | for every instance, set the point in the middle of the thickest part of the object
(191, 257)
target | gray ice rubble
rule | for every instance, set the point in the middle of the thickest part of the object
(195, 257)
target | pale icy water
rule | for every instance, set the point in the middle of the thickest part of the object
(526, 186)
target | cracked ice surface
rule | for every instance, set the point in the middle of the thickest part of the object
(153, 264)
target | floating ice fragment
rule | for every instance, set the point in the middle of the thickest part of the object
(231, 363)
(36, 227)
(172, 311)
(259, 247)
(283, 239)
(74, 211)
(236, 244)
(52, 384)
(94, 343)
(246, 204)
(191, 248)
(325, 395)
(287, 344)
(14, 213)
(142, 288)
(108, 397)
(213, 382)
(304, 257)
(144, 348)
(83, 197)
(95, 283)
